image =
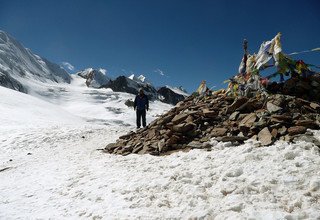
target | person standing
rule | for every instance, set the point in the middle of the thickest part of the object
(141, 104)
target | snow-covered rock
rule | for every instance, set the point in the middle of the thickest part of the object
(19, 65)
(178, 90)
(139, 79)
(132, 85)
(171, 95)
(94, 78)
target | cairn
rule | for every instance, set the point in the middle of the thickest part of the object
(194, 122)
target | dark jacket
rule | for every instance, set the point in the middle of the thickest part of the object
(141, 102)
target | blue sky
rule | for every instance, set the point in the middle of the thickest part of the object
(174, 42)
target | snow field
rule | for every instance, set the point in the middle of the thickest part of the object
(65, 177)
(50, 167)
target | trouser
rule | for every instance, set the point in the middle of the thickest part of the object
(141, 114)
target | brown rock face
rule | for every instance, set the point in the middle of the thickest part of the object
(194, 121)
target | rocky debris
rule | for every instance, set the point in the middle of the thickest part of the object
(193, 122)
(306, 88)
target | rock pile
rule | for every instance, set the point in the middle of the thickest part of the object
(193, 122)
(307, 88)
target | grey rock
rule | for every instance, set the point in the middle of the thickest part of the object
(272, 108)
(265, 137)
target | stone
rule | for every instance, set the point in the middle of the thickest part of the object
(303, 86)
(297, 130)
(307, 138)
(110, 147)
(260, 124)
(265, 137)
(234, 116)
(231, 139)
(218, 132)
(144, 150)
(314, 185)
(272, 108)
(307, 123)
(172, 140)
(194, 133)
(195, 144)
(151, 133)
(205, 139)
(274, 133)
(165, 119)
(190, 113)
(237, 103)
(154, 145)
(179, 118)
(162, 132)
(189, 118)
(282, 131)
(248, 120)
(162, 145)
(281, 119)
(314, 105)
(137, 148)
(209, 114)
(129, 103)
(185, 127)
(126, 136)
(250, 106)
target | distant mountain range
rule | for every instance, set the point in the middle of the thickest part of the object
(20, 69)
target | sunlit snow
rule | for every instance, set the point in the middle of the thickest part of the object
(50, 167)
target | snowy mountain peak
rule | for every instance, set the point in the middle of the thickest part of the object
(3, 36)
(139, 79)
(19, 66)
(178, 90)
(94, 78)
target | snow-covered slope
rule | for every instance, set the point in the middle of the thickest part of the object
(19, 109)
(49, 102)
(19, 65)
(50, 167)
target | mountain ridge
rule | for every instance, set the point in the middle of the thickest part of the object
(18, 64)
(22, 70)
